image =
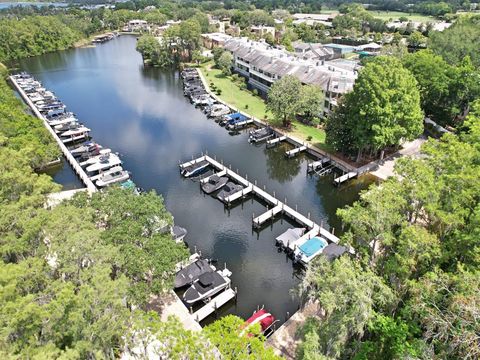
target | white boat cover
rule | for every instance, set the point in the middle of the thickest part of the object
(290, 236)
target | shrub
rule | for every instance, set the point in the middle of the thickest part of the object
(255, 92)
(309, 138)
(246, 106)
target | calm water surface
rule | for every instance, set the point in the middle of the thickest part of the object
(143, 115)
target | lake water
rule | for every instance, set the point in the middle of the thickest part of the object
(142, 114)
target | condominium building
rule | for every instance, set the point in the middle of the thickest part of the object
(262, 65)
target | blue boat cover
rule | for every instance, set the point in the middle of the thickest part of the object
(236, 117)
(312, 246)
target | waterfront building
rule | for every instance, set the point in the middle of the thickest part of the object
(262, 65)
(213, 40)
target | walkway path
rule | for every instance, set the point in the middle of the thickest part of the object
(386, 167)
(285, 340)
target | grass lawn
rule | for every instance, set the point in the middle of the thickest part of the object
(243, 100)
(395, 15)
(233, 95)
(303, 131)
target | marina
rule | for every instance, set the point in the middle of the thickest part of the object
(99, 167)
(151, 138)
(277, 208)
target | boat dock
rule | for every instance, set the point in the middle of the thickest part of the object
(297, 150)
(277, 206)
(345, 177)
(269, 214)
(242, 123)
(216, 303)
(276, 141)
(71, 160)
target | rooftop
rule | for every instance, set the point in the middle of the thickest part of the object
(329, 75)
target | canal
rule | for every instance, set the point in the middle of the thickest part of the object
(141, 113)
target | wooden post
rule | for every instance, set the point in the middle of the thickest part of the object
(333, 231)
(309, 216)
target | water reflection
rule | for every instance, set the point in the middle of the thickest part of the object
(278, 168)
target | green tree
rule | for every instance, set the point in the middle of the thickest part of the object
(225, 63)
(234, 342)
(416, 39)
(348, 296)
(311, 102)
(284, 99)
(156, 17)
(458, 41)
(382, 110)
(434, 78)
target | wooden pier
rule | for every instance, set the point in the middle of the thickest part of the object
(293, 152)
(277, 206)
(216, 303)
(345, 177)
(76, 167)
(275, 141)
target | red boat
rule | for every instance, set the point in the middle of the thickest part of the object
(265, 319)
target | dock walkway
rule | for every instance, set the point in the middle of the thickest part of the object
(297, 150)
(76, 167)
(216, 303)
(276, 205)
(345, 177)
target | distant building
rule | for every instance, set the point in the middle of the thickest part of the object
(314, 51)
(137, 25)
(370, 47)
(314, 19)
(213, 40)
(262, 65)
(262, 30)
(340, 49)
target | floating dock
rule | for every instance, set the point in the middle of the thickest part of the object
(345, 177)
(76, 167)
(317, 165)
(216, 303)
(277, 206)
(242, 123)
(293, 152)
(269, 214)
(276, 141)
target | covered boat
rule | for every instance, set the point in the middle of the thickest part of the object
(264, 318)
(195, 169)
(178, 233)
(112, 176)
(229, 189)
(261, 134)
(290, 236)
(309, 249)
(218, 110)
(233, 118)
(206, 286)
(214, 183)
(191, 272)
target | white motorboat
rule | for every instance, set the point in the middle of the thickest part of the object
(96, 158)
(76, 130)
(62, 120)
(112, 176)
(104, 162)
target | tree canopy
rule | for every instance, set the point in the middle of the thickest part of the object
(415, 237)
(382, 110)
